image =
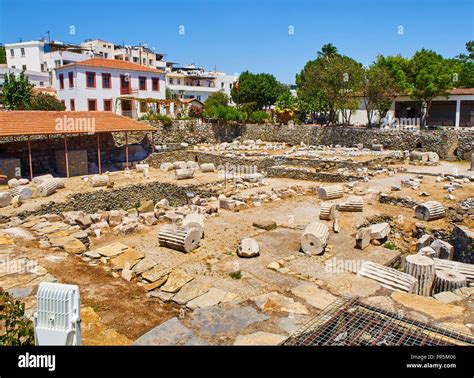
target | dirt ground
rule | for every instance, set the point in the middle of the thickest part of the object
(116, 311)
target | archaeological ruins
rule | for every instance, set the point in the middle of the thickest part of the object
(244, 235)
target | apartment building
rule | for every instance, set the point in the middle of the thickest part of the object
(101, 84)
(41, 56)
(194, 82)
(39, 79)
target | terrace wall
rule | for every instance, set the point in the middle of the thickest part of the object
(447, 143)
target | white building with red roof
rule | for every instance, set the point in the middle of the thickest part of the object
(100, 84)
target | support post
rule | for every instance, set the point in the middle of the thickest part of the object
(30, 159)
(126, 149)
(66, 156)
(98, 154)
(458, 114)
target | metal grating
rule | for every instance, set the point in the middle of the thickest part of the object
(348, 321)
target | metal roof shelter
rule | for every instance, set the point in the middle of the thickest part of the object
(348, 321)
(30, 123)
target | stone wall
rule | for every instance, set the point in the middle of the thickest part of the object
(262, 163)
(446, 143)
(125, 197)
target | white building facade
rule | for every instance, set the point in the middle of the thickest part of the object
(192, 82)
(109, 85)
(456, 110)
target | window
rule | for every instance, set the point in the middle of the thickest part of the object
(179, 81)
(13, 67)
(42, 67)
(171, 80)
(64, 103)
(70, 76)
(91, 105)
(198, 97)
(12, 53)
(106, 80)
(22, 51)
(57, 63)
(90, 79)
(41, 83)
(143, 107)
(61, 81)
(135, 60)
(222, 85)
(23, 67)
(107, 105)
(142, 83)
(155, 84)
(72, 105)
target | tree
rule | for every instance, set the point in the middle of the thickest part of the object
(462, 67)
(430, 76)
(380, 89)
(329, 84)
(217, 99)
(44, 101)
(263, 89)
(286, 107)
(3, 55)
(17, 92)
(168, 94)
(399, 68)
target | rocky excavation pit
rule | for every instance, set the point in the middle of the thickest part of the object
(193, 248)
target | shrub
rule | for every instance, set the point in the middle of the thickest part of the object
(15, 330)
(259, 117)
(236, 275)
(165, 120)
(195, 111)
(44, 101)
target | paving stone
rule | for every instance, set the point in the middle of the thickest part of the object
(144, 265)
(277, 302)
(265, 224)
(228, 319)
(447, 297)
(260, 338)
(313, 295)
(429, 306)
(75, 246)
(171, 332)
(190, 291)
(350, 284)
(156, 273)
(176, 280)
(290, 324)
(131, 256)
(113, 249)
(212, 297)
(385, 303)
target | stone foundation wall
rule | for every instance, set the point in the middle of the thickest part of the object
(447, 143)
(262, 163)
(125, 197)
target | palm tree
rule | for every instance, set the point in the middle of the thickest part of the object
(327, 50)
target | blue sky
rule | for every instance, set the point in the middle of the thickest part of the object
(238, 35)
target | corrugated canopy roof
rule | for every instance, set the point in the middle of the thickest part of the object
(18, 123)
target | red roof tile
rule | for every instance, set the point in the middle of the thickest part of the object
(111, 63)
(17, 123)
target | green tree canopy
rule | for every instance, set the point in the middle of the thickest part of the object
(430, 76)
(330, 83)
(217, 99)
(44, 101)
(380, 89)
(262, 88)
(17, 92)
